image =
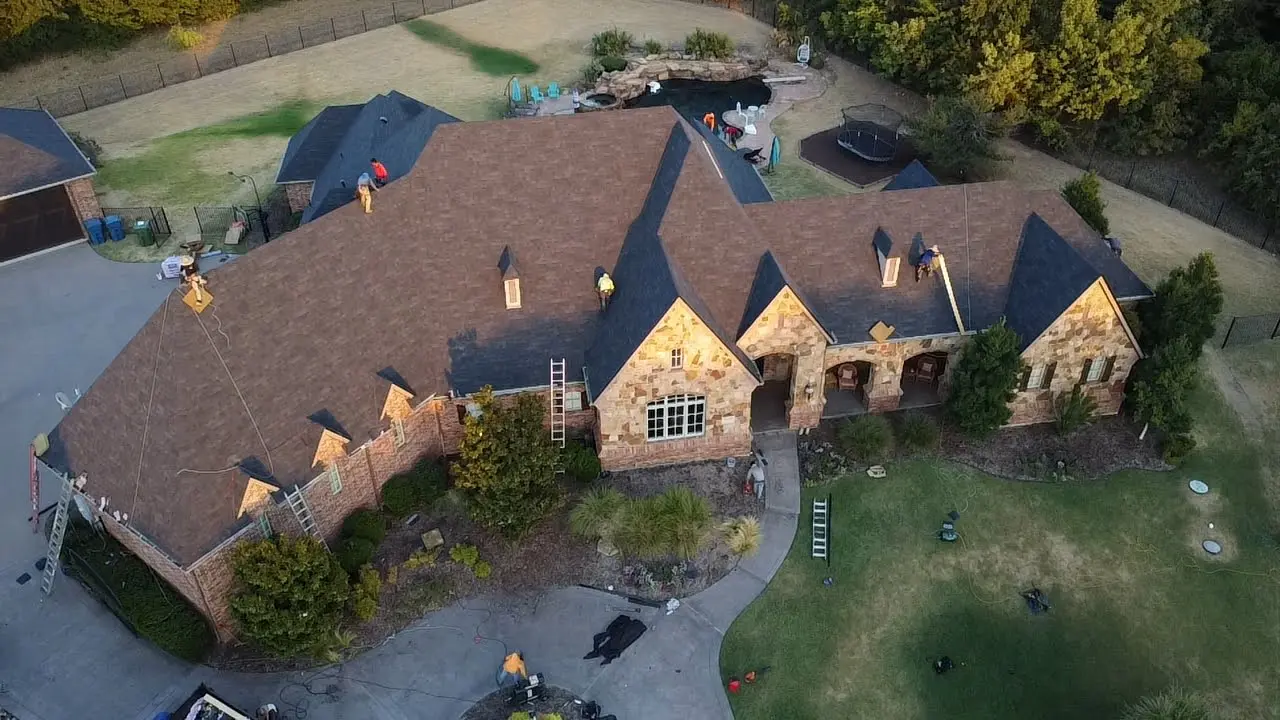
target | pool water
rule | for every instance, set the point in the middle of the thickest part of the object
(695, 98)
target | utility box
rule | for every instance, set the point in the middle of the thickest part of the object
(146, 238)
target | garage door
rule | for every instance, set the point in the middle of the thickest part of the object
(36, 221)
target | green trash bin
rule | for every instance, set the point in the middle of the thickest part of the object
(142, 229)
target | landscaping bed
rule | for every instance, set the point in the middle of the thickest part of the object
(495, 706)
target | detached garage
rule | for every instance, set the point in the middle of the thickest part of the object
(46, 185)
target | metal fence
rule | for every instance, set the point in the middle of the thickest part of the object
(112, 89)
(214, 222)
(1195, 199)
(154, 216)
(1249, 329)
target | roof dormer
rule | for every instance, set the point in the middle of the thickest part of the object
(510, 278)
(889, 262)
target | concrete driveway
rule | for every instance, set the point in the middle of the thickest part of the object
(63, 317)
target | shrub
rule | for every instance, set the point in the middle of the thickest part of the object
(469, 556)
(365, 523)
(365, 594)
(1159, 386)
(1177, 447)
(1085, 195)
(422, 558)
(88, 147)
(956, 136)
(653, 47)
(817, 60)
(181, 38)
(612, 64)
(1187, 304)
(398, 497)
(1072, 411)
(591, 72)
(703, 44)
(917, 431)
(984, 381)
(742, 534)
(353, 553)
(867, 438)
(415, 489)
(1171, 704)
(612, 42)
(330, 648)
(580, 462)
(686, 518)
(640, 531)
(596, 515)
(290, 594)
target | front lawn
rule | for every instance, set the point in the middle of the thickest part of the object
(1137, 605)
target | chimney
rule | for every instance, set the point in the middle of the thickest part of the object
(889, 263)
(510, 278)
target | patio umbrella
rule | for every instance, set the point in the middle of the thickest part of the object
(516, 94)
(775, 152)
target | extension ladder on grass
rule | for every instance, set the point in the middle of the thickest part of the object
(54, 556)
(557, 401)
(303, 512)
(820, 528)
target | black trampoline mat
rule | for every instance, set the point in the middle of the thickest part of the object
(822, 150)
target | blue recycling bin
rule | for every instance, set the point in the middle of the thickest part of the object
(95, 230)
(115, 227)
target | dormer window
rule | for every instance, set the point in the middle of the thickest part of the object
(889, 264)
(510, 278)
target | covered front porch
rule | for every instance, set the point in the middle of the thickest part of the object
(845, 389)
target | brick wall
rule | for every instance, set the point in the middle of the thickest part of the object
(786, 328)
(84, 199)
(1091, 328)
(709, 369)
(299, 195)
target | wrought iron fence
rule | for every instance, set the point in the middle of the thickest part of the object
(155, 217)
(113, 89)
(214, 222)
(1249, 329)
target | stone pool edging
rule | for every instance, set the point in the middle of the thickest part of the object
(633, 81)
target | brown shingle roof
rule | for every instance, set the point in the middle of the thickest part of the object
(306, 323)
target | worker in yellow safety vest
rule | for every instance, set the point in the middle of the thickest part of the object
(604, 288)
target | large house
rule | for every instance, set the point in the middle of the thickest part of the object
(46, 185)
(333, 357)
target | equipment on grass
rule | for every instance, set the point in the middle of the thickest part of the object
(1036, 601)
(528, 691)
(948, 532)
(942, 664)
(820, 525)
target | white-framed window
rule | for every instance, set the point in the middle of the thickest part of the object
(511, 288)
(677, 358)
(677, 416)
(397, 426)
(572, 401)
(1096, 367)
(335, 479)
(264, 524)
(1036, 379)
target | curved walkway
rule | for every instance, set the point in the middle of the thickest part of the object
(440, 666)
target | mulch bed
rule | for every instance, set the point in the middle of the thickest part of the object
(551, 556)
(495, 706)
(821, 150)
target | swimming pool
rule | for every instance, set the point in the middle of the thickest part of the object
(695, 98)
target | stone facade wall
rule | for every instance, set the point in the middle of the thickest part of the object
(884, 389)
(634, 80)
(709, 369)
(786, 327)
(84, 199)
(299, 194)
(1091, 328)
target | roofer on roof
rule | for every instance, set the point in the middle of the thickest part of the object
(928, 259)
(604, 288)
(379, 172)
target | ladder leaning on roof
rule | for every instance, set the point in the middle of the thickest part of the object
(557, 401)
(303, 512)
(53, 558)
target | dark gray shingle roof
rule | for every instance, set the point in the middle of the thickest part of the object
(312, 147)
(743, 178)
(770, 279)
(35, 152)
(912, 177)
(1048, 276)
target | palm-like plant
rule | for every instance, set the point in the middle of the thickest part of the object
(686, 519)
(596, 515)
(742, 534)
(1172, 704)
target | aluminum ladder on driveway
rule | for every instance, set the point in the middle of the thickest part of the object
(303, 512)
(820, 526)
(53, 559)
(557, 401)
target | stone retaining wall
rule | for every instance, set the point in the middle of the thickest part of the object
(633, 81)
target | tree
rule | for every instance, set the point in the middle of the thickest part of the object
(1186, 305)
(984, 381)
(290, 594)
(958, 137)
(1160, 386)
(1084, 194)
(1171, 704)
(507, 464)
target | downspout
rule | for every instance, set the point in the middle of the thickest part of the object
(951, 295)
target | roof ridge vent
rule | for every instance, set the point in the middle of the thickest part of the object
(888, 261)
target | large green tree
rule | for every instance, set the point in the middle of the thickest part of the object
(289, 596)
(1186, 305)
(985, 381)
(1160, 387)
(507, 463)
(958, 137)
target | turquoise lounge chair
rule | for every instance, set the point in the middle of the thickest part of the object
(535, 94)
(553, 90)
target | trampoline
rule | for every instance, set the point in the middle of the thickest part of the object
(871, 132)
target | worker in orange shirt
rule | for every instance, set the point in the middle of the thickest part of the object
(379, 172)
(513, 671)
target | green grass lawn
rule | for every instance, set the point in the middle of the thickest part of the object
(484, 58)
(1137, 607)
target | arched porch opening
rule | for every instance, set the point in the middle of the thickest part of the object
(922, 379)
(845, 387)
(771, 401)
